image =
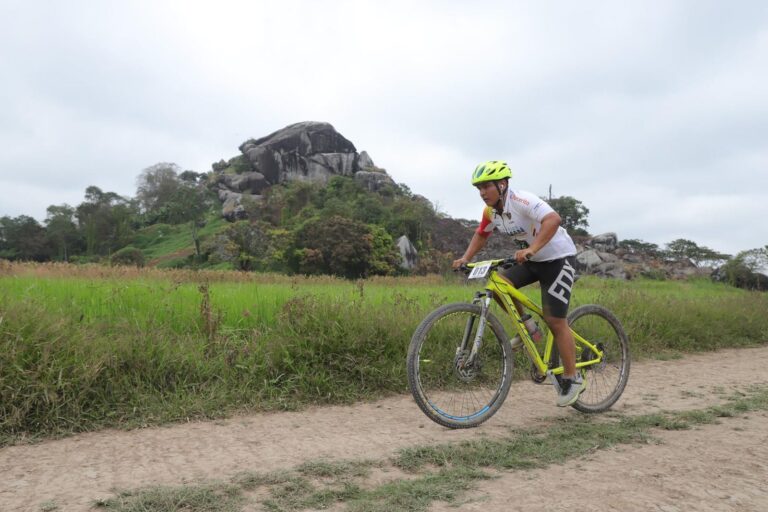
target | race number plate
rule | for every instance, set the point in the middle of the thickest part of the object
(480, 271)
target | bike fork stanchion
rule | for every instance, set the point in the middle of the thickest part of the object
(485, 303)
(467, 333)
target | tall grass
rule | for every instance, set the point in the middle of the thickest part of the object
(82, 348)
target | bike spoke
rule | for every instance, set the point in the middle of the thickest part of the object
(453, 391)
(606, 379)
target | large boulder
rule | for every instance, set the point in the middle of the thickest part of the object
(308, 151)
(365, 162)
(607, 242)
(233, 204)
(588, 259)
(373, 181)
(249, 182)
(408, 253)
(613, 269)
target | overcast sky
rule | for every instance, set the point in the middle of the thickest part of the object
(653, 113)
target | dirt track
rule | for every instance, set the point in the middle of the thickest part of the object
(716, 467)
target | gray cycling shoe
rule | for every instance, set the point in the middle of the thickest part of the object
(568, 390)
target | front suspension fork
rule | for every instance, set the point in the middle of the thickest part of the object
(484, 299)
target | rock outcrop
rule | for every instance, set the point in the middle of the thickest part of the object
(408, 253)
(308, 151)
(600, 255)
(373, 181)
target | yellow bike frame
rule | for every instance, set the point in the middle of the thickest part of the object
(506, 292)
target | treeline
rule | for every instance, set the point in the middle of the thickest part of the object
(745, 270)
(341, 228)
(106, 222)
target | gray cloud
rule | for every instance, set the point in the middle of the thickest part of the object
(654, 114)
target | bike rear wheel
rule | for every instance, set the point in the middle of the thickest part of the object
(606, 380)
(446, 387)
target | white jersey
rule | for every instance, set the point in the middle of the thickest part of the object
(521, 219)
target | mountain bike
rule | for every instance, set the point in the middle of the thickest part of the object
(460, 359)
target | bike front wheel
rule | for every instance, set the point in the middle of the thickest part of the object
(605, 380)
(449, 387)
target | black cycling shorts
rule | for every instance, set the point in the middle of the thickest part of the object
(555, 277)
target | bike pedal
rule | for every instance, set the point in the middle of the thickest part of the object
(553, 380)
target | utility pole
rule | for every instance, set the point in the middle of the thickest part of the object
(550, 192)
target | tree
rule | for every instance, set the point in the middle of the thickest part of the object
(23, 238)
(385, 258)
(246, 244)
(190, 203)
(192, 176)
(105, 219)
(128, 256)
(682, 249)
(637, 246)
(282, 204)
(412, 217)
(61, 229)
(336, 245)
(573, 214)
(156, 185)
(709, 257)
(748, 269)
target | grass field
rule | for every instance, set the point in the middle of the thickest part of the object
(86, 347)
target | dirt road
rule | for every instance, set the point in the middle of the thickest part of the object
(716, 467)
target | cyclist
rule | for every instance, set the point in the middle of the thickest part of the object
(545, 255)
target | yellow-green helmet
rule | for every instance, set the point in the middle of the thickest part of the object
(491, 171)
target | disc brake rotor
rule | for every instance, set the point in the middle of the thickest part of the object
(466, 372)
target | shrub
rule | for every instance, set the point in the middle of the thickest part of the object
(128, 256)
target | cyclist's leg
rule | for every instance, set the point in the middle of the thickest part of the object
(556, 278)
(518, 276)
(566, 346)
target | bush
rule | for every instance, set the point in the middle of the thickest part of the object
(128, 256)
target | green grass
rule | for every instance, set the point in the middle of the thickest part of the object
(204, 498)
(127, 348)
(445, 472)
(162, 241)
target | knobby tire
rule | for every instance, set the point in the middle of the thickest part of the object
(432, 373)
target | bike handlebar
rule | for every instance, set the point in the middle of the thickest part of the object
(506, 262)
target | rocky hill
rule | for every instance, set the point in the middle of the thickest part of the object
(307, 151)
(314, 152)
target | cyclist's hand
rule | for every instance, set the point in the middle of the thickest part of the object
(524, 255)
(459, 262)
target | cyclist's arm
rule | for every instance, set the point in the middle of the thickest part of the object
(478, 242)
(549, 225)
